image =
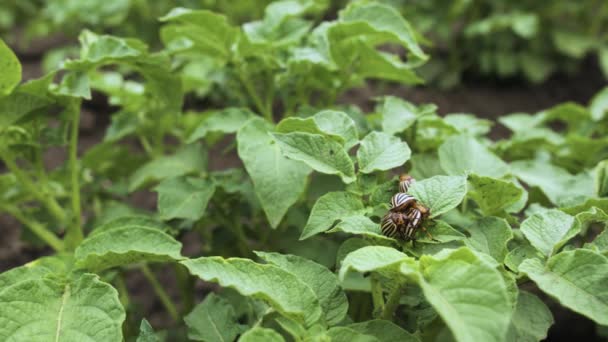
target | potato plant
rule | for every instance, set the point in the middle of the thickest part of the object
(290, 232)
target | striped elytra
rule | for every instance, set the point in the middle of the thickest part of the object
(401, 202)
(405, 182)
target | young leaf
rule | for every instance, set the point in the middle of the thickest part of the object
(50, 310)
(469, 295)
(228, 120)
(440, 193)
(577, 279)
(281, 289)
(124, 243)
(493, 195)
(336, 124)
(322, 281)
(146, 333)
(599, 105)
(272, 173)
(560, 186)
(188, 159)
(258, 334)
(184, 197)
(398, 115)
(549, 230)
(328, 209)
(11, 70)
(531, 319)
(384, 331)
(384, 19)
(374, 258)
(346, 334)
(490, 235)
(462, 154)
(213, 320)
(203, 31)
(381, 151)
(318, 151)
(360, 225)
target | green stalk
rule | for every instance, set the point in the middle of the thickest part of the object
(37, 228)
(74, 234)
(160, 292)
(392, 303)
(48, 201)
(123, 293)
(254, 96)
(377, 296)
(186, 287)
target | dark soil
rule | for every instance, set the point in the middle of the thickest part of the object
(487, 99)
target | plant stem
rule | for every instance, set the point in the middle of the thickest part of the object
(266, 112)
(377, 296)
(49, 202)
(160, 292)
(37, 228)
(74, 233)
(123, 293)
(186, 287)
(392, 303)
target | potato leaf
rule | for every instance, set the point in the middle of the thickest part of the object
(126, 243)
(440, 193)
(320, 152)
(483, 314)
(281, 289)
(577, 279)
(184, 197)
(380, 151)
(50, 310)
(271, 172)
(328, 209)
(322, 281)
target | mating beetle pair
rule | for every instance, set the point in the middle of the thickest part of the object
(405, 215)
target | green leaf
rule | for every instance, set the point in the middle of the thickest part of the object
(322, 281)
(492, 195)
(577, 279)
(346, 334)
(146, 333)
(360, 225)
(561, 187)
(374, 258)
(549, 230)
(37, 269)
(469, 295)
(202, 31)
(384, 19)
(11, 70)
(270, 171)
(599, 105)
(50, 310)
(328, 209)
(469, 124)
(337, 125)
(228, 120)
(398, 115)
(188, 159)
(184, 197)
(213, 320)
(126, 242)
(531, 319)
(258, 334)
(520, 253)
(384, 331)
(320, 152)
(281, 289)
(490, 235)
(381, 151)
(462, 154)
(440, 193)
